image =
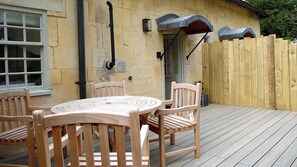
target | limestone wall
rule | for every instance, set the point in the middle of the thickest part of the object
(135, 47)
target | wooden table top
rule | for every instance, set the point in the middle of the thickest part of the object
(116, 104)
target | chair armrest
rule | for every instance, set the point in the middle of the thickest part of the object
(25, 118)
(46, 108)
(167, 102)
(176, 110)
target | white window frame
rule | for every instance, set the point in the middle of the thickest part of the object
(44, 88)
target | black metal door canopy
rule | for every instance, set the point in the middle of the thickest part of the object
(193, 24)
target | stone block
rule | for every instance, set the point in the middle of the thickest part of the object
(99, 56)
(118, 37)
(70, 75)
(98, 12)
(71, 11)
(55, 77)
(143, 58)
(52, 31)
(66, 58)
(154, 41)
(163, 7)
(125, 53)
(94, 35)
(106, 37)
(147, 6)
(139, 72)
(65, 92)
(51, 60)
(88, 57)
(123, 17)
(134, 37)
(67, 34)
(92, 75)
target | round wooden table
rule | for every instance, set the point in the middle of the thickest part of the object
(115, 104)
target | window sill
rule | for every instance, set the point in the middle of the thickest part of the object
(40, 93)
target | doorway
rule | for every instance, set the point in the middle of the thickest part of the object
(173, 62)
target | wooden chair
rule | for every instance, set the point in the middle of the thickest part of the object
(16, 121)
(108, 89)
(183, 115)
(87, 156)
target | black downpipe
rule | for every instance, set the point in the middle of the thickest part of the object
(109, 64)
(81, 49)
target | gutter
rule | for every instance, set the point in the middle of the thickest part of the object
(81, 50)
(258, 11)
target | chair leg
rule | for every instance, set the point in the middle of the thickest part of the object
(30, 145)
(172, 139)
(162, 149)
(31, 154)
(197, 142)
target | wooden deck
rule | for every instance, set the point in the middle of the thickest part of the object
(234, 136)
(240, 136)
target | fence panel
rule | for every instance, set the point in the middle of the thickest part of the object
(255, 72)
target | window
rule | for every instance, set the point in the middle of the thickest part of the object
(23, 50)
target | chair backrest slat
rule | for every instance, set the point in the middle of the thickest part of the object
(12, 110)
(119, 138)
(59, 159)
(88, 144)
(104, 147)
(88, 120)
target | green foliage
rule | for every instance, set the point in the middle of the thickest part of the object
(282, 19)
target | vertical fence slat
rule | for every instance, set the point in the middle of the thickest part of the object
(260, 73)
(215, 93)
(225, 73)
(266, 72)
(271, 72)
(236, 71)
(211, 86)
(254, 73)
(293, 75)
(242, 74)
(286, 75)
(248, 66)
(205, 63)
(278, 74)
(231, 72)
(221, 73)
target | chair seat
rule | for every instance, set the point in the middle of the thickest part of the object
(113, 160)
(14, 136)
(172, 124)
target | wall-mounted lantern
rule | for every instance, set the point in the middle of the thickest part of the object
(146, 25)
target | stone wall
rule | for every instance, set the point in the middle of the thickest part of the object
(132, 45)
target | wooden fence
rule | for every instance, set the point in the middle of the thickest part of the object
(256, 72)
